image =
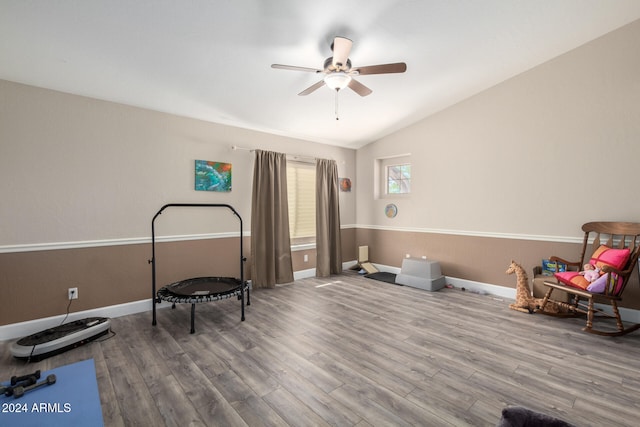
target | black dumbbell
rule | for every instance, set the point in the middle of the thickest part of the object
(8, 391)
(19, 391)
(15, 380)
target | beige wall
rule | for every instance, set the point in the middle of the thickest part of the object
(475, 258)
(81, 180)
(510, 173)
(538, 155)
(76, 169)
(516, 170)
(34, 284)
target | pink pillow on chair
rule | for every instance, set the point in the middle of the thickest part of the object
(573, 279)
(604, 255)
(577, 280)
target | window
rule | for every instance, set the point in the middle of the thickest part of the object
(301, 192)
(399, 179)
(392, 176)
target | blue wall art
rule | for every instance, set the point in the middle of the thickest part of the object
(213, 176)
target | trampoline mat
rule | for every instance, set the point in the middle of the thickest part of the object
(201, 289)
(202, 286)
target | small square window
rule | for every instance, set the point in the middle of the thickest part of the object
(399, 179)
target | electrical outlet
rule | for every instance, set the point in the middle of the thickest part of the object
(306, 258)
(73, 293)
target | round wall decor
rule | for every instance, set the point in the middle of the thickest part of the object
(391, 210)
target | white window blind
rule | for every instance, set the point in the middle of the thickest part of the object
(301, 192)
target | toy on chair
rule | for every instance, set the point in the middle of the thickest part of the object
(525, 302)
(591, 272)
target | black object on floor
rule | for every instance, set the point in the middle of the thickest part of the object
(517, 416)
(383, 276)
(59, 339)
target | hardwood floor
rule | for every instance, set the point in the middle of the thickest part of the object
(350, 351)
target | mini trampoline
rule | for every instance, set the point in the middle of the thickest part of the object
(199, 289)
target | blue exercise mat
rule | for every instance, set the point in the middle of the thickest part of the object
(72, 401)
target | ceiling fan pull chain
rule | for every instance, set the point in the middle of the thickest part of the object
(337, 118)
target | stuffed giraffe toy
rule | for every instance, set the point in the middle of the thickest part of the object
(525, 302)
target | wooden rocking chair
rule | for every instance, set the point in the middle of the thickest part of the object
(616, 248)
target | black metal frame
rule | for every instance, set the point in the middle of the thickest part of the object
(154, 295)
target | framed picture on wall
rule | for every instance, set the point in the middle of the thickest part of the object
(345, 184)
(212, 176)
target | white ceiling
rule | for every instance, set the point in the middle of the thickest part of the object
(211, 59)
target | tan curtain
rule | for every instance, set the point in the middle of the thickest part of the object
(328, 242)
(270, 245)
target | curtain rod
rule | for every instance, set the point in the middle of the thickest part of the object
(298, 157)
(235, 147)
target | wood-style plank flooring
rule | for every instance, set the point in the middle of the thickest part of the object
(350, 351)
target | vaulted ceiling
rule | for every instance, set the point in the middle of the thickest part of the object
(211, 60)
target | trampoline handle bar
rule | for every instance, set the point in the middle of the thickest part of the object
(152, 261)
(190, 205)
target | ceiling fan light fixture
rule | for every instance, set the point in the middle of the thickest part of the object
(337, 81)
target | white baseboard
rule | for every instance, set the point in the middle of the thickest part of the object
(303, 274)
(387, 268)
(18, 330)
(311, 272)
(482, 288)
(627, 314)
(468, 285)
(22, 329)
(347, 265)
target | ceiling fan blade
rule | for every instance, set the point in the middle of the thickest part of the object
(295, 68)
(312, 88)
(397, 67)
(341, 48)
(359, 88)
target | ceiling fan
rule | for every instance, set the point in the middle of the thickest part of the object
(338, 70)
